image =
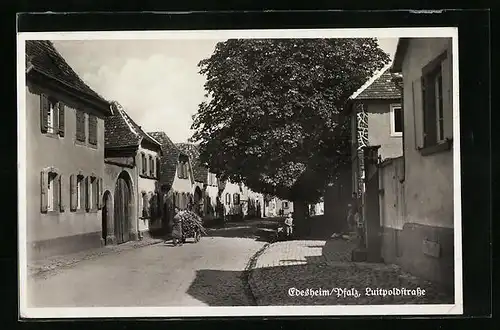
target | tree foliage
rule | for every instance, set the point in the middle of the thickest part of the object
(272, 114)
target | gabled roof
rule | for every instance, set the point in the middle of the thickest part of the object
(200, 171)
(379, 87)
(121, 131)
(169, 159)
(400, 53)
(46, 60)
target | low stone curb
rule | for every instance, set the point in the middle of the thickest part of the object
(67, 261)
(249, 270)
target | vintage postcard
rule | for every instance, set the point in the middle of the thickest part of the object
(239, 173)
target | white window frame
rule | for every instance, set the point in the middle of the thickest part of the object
(79, 186)
(51, 190)
(393, 120)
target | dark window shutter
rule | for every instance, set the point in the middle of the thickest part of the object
(43, 190)
(60, 108)
(92, 129)
(87, 193)
(61, 195)
(73, 186)
(55, 191)
(80, 125)
(44, 110)
(158, 168)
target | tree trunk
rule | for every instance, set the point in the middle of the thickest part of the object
(301, 218)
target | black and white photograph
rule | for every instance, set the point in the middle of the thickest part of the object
(239, 173)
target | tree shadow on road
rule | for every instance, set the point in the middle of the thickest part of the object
(260, 230)
(221, 288)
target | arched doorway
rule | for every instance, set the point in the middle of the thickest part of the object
(198, 201)
(106, 202)
(122, 208)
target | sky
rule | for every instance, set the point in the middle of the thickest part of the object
(156, 81)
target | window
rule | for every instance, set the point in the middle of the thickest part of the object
(285, 205)
(151, 166)
(51, 191)
(93, 130)
(145, 202)
(78, 192)
(80, 126)
(396, 120)
(228, 199)
(179, 170)
(432, 96)
(144, 164)
(158, 168)
(93, 194)
(51, 116)
(236, 199)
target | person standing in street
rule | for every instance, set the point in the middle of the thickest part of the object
(177, 228)
(289, 225)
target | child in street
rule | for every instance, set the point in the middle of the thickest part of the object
(289, 225)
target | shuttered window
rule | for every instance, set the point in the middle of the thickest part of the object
(151, 166)
(50, 191)
(236, 199)
(228, 199)
(77, 192)
(80, 126)
(158, 168)
(61, 109)
(432, 97)
(92, 129)
(51, 116)
(144, 164)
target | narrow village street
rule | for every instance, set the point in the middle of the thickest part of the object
(207, 273)
(232, 266)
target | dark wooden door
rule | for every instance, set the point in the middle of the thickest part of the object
(122, 211)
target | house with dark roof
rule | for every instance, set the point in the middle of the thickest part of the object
(131, 183)
(206, 186)
(64, 155)
(417, 204)
(376, 120)
(210, 195)
(176, 177)
(375, 116)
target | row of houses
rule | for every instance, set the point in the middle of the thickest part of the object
(95, 177)
(402, 159)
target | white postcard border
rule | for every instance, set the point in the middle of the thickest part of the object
(162, 312)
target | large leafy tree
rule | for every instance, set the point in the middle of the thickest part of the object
(272, 114)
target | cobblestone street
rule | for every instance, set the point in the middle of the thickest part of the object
(326, 265)
(210, 272)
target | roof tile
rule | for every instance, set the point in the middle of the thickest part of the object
(382, 88)
(200, 171)
(169, 159)
(47, 60)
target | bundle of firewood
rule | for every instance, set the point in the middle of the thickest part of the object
(191, 222)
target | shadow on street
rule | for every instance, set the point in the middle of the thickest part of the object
(220, 288)
(259, 229)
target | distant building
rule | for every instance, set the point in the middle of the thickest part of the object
(275, 207)
(176, 178)
(64, 155)
(376, 120)
(131, 181)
